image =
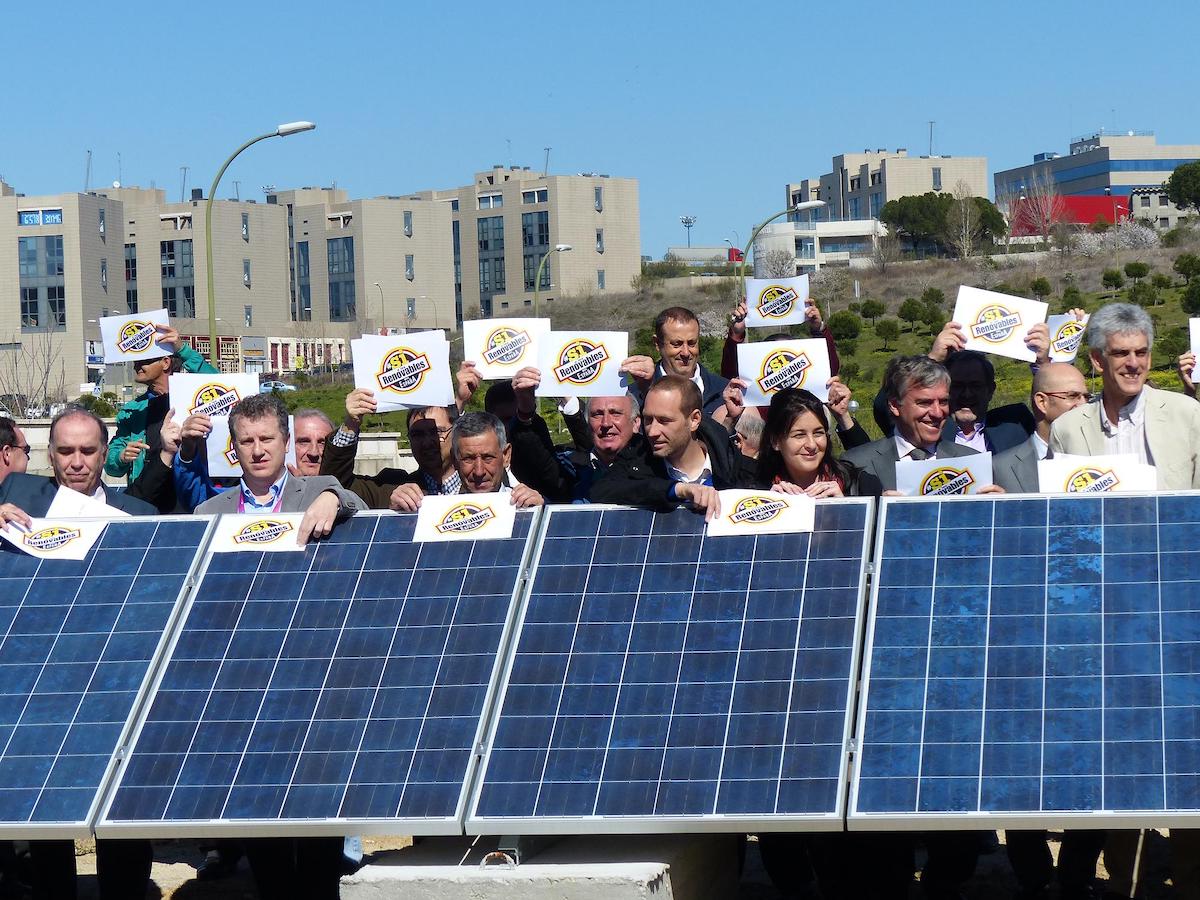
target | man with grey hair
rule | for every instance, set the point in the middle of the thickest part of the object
(748, 431)
(312, 429)
(481, 452)
(918, 398)
(1132, 418)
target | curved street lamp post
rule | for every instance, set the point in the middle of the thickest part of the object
(537, 279)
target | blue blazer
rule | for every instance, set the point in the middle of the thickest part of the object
(1004, 427)
(33, 494)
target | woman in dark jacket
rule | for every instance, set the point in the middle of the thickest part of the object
(796, 456)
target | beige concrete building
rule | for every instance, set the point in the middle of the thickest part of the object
(509, 218)
(1151, 206)
(817, 245)
(861, 183)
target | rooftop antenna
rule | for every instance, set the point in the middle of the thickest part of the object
(931, 124)
(509, 142)
(546, 167)
(119, 174)
(87, 173)
(183, 170)
(237, 190)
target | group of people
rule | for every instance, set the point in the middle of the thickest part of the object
(679, 436)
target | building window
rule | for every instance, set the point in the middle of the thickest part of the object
(246, 272)
(178, 278)
(131, 305)
(491, 201)
(490, 234)
(485, 276)
(29, 307)
(937, 178)
(454, 206)
(599, 194)
(529, 264)
(1163, 200)
(101, 223)
(854, 207)
(179, 301)
(537, 196)
(302, 305)
(410, 307)
(1164, 222)
(341, 256)
(56, 305)
(167, 261)
(408, 223)
(876, 204)
(599, 240)
(410, 271)
(41, 281)
(545, 282)
(104, 274)
(248, 315)
(600, 279)
(1145, 200)
(169, 301)
(341, 301)
(52, 217)
(305, 301)
(342, 306)
(855, 183)
(246, 227)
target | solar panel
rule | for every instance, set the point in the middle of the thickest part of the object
(665, 681)
(1033, 661)
(342, 687)
(77, 639)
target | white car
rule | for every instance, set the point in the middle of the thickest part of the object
(267, 386)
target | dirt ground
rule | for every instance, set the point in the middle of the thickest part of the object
(174, 873)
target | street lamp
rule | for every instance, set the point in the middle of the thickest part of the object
(799, 207)
(382, 310)
(688, 222)
(537, 279)
(282, 131)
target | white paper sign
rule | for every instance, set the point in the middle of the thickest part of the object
(1194, 332)
(771, 366)
(775, 301)
(56, 538)
(213, 394)
(128, 338)
(403, 371)
(273, 533)
(942, 477)
(762, 512)
(582, 363)
(222, 461)
(997, 323)
(465, 517)
(1066, 336)
(501, 347)
(70, 504)
(1095, 474)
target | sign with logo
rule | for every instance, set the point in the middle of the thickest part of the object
(1194, 333)
(56, 538)
(944, 477)
(71, 504)
(774, 302)
(762, 512)
(223, 462)
(465, 517)
(211, 395)
(273, 533)
(582, 363)
(771, 366)
(501, 347)
(1066, 337)
(1095, 475)
(405, 370)
(130, 338)
(997, 323)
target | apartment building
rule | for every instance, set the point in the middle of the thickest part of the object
(1100, 163)
(1151, 206)
(817, 245)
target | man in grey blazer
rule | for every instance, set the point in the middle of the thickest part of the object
(918, 398)
(1057, 389)
(1160, 428)
(258, 426)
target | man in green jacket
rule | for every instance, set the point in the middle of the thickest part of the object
(139, 419)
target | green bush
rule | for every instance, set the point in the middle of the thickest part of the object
(105, 406)
(844, 325)
(1190, 301)
(1040, 287)
(872, 309)
(1136, 270)
(888, 331)
(1143, 295)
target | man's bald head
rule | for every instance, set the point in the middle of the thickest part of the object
(1057, 388)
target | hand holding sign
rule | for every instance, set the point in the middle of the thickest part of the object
(769, 367)
(997, 323)
(944, 477)
(500, 347)
(404, 371)
(137, 336)
(211, 395)
(775, 302)
(582, 363)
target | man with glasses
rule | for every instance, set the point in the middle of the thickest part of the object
(428, 436)
(14, 449)
(1057, 388)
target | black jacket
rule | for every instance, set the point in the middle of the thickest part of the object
(639, 478)
(712, 395)
(34, 493)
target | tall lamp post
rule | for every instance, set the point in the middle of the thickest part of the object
(687, 222)
(382, 310)
(749, 248)
(537, 279)
(282, 131)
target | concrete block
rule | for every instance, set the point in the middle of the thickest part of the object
(585, 867)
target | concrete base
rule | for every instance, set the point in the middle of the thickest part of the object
(594, 867)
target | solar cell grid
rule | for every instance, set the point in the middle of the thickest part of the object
(1033, 660)
(76, 641)
(662, 680)
(311, 690)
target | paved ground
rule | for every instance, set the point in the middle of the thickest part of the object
(175, 861)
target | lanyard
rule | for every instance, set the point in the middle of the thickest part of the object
(242, 501)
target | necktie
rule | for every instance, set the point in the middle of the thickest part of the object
(918, 454)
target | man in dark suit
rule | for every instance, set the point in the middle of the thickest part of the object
(918, 398)
(677, 340)
(1057, 388)
(971, 422)
(14, 449)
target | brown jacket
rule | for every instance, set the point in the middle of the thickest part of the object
(376, 490)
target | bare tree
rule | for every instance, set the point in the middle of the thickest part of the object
(963, 226)
(775, 264)
(1042, 206)
(884, 252)
(32, 371)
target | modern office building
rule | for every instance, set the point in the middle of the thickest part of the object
(1100, 163)
(861, 183)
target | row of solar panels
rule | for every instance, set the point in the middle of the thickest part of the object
(1025, 660)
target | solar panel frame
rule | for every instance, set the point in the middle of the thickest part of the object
(83, 828)
(857, 820)
(476, 824)
(106, 827)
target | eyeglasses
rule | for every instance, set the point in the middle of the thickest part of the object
(428, 434)
(1070, 395)
(24, 448)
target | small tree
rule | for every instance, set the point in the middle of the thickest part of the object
(1113, 280)
(1136, 270)
(1190, 301)
(1173, 343)
(911, 311)
(1161, 281)
(844, 326)
(933, 295)
(1183, 187)
(1187, 265)
(933, 317)
(1143, 295)
(884, 252)
(888, 331)
(775, 264)
(1072, 298)
(1040, 288)
(872, 309)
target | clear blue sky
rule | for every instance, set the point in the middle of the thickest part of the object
(712, 114)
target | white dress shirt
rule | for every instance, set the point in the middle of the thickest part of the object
(1128, 435)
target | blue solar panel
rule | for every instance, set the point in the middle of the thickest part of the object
(344, 684)
(662, 679)
(78, 638)
(1033, 660)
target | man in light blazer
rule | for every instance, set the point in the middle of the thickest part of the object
(1057, 389)
(1160, 428)
(918, 398)
(259, 429)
